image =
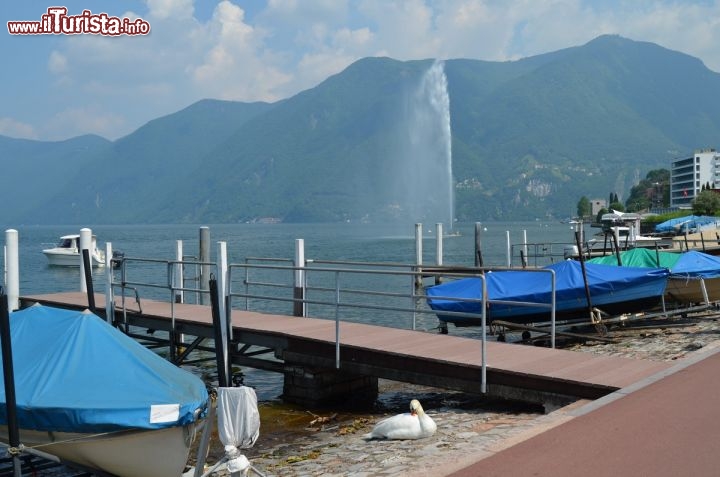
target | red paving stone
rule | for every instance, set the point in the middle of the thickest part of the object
(669, 427)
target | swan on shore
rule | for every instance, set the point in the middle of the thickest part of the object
(410, 425)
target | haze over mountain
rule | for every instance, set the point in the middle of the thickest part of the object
(529, 138)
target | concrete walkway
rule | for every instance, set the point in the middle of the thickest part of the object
(665, 425)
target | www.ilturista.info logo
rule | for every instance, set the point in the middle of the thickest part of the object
(57, 22)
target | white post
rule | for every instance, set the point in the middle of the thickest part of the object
(418, 244)
(418, 255)
(439, 243)
(179, 295)
(222, 300)
(507, 239)
(12, 269)
(85, 244)
(299, 305)
(109, 297)
(525, 249)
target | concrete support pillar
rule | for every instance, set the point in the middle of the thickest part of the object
(316, 387)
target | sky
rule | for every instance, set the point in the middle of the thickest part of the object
(60, 85)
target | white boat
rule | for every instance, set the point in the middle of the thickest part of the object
(622, 230)
(89, 394)
(66, 253)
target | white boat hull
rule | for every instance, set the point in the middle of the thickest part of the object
(65, 259)
(135, 453)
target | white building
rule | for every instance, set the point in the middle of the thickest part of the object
(687, 176)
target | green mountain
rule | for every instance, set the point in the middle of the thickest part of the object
(529, 138)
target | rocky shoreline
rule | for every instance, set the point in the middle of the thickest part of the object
(469, 428)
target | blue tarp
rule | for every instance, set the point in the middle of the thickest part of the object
(609, 285)
(76, 373)
(697, 264)
(686, 264)
(690, 223)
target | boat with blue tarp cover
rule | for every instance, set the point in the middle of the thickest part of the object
(612, 289)
(89, 394)
(690, 272)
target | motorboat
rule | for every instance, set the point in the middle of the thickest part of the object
(90, 395)
(525, 296)
(66, 253)
(621, 230)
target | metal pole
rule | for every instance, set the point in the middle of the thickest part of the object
(337, 320)
(438, 249)
(483, 383)
(12, 269)
(418, 254)
(204, 259)
(9, 380)
(220, 358)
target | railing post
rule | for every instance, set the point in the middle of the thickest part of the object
(12, 269)
(299, 305)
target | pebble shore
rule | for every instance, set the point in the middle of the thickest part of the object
(467, 430)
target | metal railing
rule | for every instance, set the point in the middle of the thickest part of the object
(385, 294)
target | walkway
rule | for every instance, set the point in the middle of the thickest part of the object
(666, 425)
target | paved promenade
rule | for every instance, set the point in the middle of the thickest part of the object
(668, 425)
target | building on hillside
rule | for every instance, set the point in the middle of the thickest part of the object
(596, 205)
(687, 176)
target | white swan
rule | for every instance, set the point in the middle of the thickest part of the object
(410, 425)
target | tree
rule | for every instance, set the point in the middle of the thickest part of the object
(584, 207)
(651, 192)
(617, 206)
(706, 203)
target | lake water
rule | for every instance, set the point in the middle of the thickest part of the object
(341, 242)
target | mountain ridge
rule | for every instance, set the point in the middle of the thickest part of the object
(529, 138)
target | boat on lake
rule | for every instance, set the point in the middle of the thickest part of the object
(694, 276)
(91, 395)
(66, 253)
(525, 296)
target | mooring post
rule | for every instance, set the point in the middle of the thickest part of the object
(204, 264)
(299, 305)
(109, 297)
(438, 249)
(508, 256)
(85, 244)
(418, 255)
(178, 272)
(478, 245)
(12, 269)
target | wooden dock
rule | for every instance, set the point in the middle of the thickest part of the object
(305, 346)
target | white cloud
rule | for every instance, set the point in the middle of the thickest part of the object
(57, 63)
(12, 128)
(285, 46)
